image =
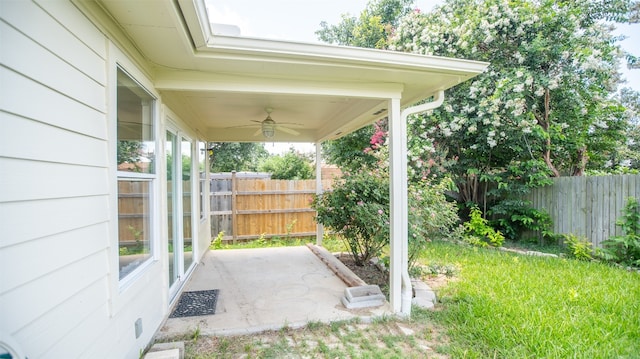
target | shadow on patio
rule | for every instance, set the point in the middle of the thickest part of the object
(265, 289)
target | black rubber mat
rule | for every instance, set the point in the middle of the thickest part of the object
(193, 304)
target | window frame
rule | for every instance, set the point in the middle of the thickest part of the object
(152, 177)
(202, 154)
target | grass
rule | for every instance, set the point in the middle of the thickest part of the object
(342, 339)
(500, 305)
(331, 243)
(511, 306)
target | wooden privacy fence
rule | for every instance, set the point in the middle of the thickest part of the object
(248, 208)
(134, 208)
(587, 206)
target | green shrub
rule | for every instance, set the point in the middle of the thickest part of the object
(516, 217)
(431, 216)
(625, 249)
(479, 232)
(578, 247)
(217, 242)
(357, 209)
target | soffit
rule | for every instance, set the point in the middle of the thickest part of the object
(215, 83)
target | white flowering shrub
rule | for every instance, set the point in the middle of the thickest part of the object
(546, 94)
(543, 106)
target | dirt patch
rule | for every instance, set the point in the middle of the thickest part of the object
(435, 282)
(370, 272)
(385, 338)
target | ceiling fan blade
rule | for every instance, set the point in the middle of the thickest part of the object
(243, 126)
(288, 130)
(289, 124)
(259, 132)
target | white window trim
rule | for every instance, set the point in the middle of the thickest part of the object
(204, 198)
(119, 288)
(171, 125)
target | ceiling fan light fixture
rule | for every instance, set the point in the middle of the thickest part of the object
(268, 127)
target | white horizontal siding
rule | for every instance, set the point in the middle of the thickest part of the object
(31, 301)
(83, 336)
(68, 16)
(45, 254)
(49, 143)
(144, 303)
(58, 257)
(149, 307)
(31, 180)
(30, 99)
(42, 336)
(35, 23)
(34, 220)
(39, 64)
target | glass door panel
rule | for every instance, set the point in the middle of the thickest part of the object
(187, 202)
(172, 231)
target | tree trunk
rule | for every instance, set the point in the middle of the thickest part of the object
(581, 163)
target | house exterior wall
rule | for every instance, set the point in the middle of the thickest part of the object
(60, 294)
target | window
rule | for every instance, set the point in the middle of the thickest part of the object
(136, 146)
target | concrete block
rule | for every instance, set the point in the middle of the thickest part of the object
(419, 285)
(362, 303)
(422, 303)
(363, 293)
(166, 351)
(164, 354)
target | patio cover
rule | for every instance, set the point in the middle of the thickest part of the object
(216, 83)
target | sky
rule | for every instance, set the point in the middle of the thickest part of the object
(298, 20)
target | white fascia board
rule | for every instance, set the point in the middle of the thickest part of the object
(196, 18)
(198, 81)
(228, 45)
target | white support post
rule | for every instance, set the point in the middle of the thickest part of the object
(319, 190)
(398, 202)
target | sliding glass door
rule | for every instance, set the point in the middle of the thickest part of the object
(180, 197)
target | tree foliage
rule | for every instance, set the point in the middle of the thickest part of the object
(236, 156)
(290, 166)
(371, 29)
(544, 105)
(348, 152)
(129, 152)
(627, 155)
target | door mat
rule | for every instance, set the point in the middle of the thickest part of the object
(192, 304)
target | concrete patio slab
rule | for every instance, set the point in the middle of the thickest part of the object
(266, 289)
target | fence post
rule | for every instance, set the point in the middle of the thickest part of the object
(234, 207)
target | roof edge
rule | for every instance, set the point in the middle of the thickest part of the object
(219, 45)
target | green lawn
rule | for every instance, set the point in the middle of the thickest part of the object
(504, 305)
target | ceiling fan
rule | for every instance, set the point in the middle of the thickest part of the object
(268, 126)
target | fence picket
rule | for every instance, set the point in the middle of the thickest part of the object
(263, 207)
(587, 206)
